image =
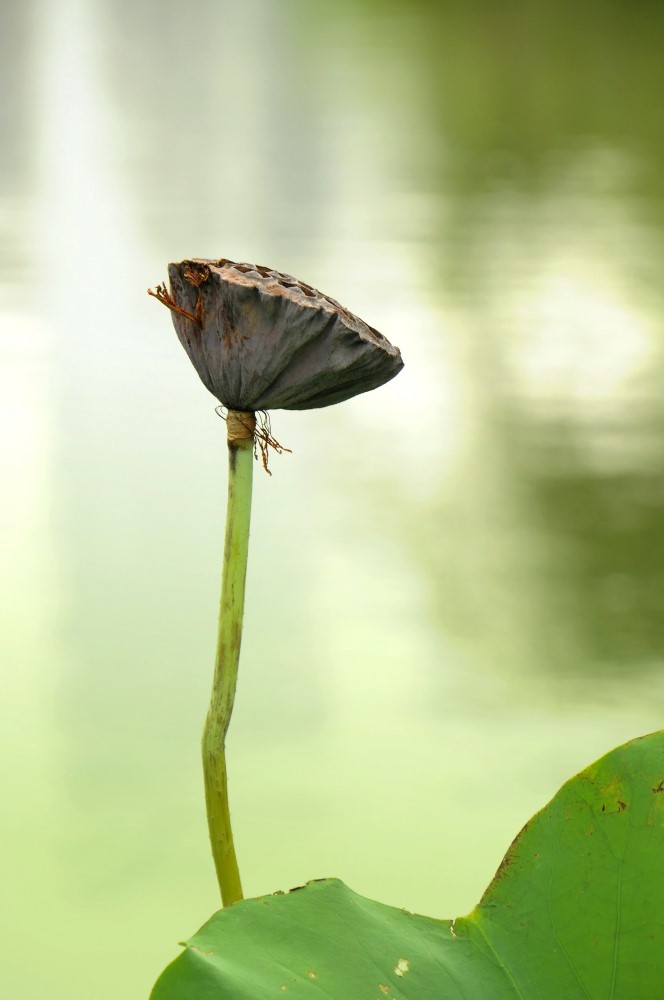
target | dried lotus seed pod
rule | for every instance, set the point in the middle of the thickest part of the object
(262, 340)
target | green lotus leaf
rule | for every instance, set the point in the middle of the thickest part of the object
(576, 910)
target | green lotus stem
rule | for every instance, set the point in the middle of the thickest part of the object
(241, 427)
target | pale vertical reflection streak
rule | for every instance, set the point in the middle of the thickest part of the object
(85, 245)
(83, 260)
(83, 250)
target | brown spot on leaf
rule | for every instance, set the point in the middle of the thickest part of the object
(659, 787)
(505, 864)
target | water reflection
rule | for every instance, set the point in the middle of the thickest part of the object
(557, 502)
(471, 590)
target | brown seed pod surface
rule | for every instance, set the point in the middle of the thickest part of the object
(263, 340)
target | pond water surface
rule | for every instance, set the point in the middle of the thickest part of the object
(456, 583)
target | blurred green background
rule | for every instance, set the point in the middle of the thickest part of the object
(456, 583)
